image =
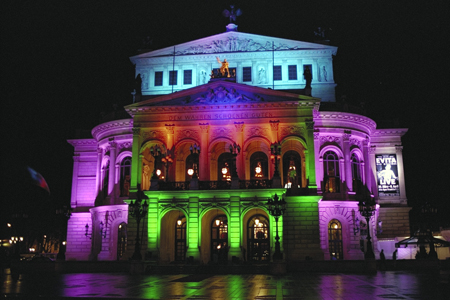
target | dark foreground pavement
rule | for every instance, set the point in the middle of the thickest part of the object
(383, 285)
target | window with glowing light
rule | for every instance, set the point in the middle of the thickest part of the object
(332, 180)
(259, 165)
(292, 169)
(219, 239)
(180, 239)
(356, 173)
(335, 240)
(125, 175)
(121, 240)
(224, 164)
(192, 166)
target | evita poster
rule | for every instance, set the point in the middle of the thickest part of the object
(387, 175)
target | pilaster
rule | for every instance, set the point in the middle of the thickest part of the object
(135, 161)
(194, 229)
(311, 143)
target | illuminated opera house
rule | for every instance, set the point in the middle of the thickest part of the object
(216, 128)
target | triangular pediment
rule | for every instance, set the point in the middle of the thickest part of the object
(221, 93)
(234, 41)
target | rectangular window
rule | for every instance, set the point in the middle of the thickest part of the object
(158, 78)
(277, 73)
(292, 72)
(173, 77)
(247, 74)
(187, 79)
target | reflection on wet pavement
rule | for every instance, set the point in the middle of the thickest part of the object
(383, 285)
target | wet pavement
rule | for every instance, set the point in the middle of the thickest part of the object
(383, 285)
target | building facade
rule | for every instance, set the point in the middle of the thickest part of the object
(202, 145)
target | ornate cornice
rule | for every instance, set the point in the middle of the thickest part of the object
(83, 142)
(338, 116)
(113, 125)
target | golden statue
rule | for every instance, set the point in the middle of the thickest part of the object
(224, 67)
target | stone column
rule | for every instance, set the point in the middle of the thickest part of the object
(193, 235)
(234, 229)
(401, 174)
(203, 157)
(98, 180)
(112, 167)
(312, 140)
(347, 161)
(74, 196)
(135, 161)
(240, 166)
(371, 170)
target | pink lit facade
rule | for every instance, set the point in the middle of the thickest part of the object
(327, 159)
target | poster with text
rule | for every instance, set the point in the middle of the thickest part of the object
(387, 175)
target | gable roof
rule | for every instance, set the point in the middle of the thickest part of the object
(221, 93)
(233, 41)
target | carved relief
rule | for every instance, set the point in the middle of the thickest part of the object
(330, 139)
(204, 127)
(257, 131)
(222, 132)
(187, 133)
(222, 95)
(355, 142)
(292, 130)
(153, 134)
(274, 125)
(170, 128)
(236, 44)
(126, 145)
(136, 130)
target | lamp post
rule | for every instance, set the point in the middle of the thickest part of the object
(167, 160)
(367, 208)
(428, 215)
(196, 151)
(155, 151)
(275, 150)
(276, 209)
(138, 212)
(64, 213)
(234, 150)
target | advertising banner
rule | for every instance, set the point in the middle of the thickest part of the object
(387, 175)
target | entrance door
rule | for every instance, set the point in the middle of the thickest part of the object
(219, 239)
(258, 239)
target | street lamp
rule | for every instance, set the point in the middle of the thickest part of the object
(167, 160)
(276, 209)
(64, 213)
(195, 150)
(234, 150)
(366, 209)
(138, 212)
(275, 149)
(155, 151)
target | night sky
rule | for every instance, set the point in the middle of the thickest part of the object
(66, 62)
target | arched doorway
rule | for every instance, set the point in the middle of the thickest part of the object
(121, 240)
(258, 239)
(219, 239)
(180, 239)
(224, 166)
(335, 240)
(292, 169)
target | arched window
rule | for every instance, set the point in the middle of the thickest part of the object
(335, 240)
(105, 179)
(356, 173)
(258, 239)
(331, 172)
(125, 174)
(292, 169)
(219, 239)
(224, 166)
(192, 165)
(259, 166)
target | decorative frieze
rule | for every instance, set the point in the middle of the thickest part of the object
(187, 133)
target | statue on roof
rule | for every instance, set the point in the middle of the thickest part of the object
(232, 14)
(224, 67)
